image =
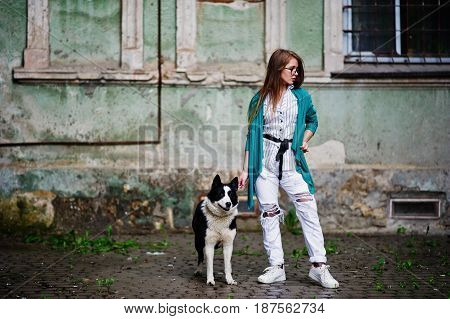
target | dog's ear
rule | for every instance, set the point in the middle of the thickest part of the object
(216, 181)
(234, 183)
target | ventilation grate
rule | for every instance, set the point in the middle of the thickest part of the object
(415, 208)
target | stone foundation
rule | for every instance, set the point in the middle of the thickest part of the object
(349, 200)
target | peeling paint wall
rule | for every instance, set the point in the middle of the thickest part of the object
(244, 36)
(85, 32)
(399, 126)
(305, 31)
(77, 113)
(371, 141)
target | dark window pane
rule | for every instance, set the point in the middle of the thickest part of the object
(373, 26)
(426, 25)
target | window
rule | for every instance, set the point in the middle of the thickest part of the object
(397, 31)
(89, 40)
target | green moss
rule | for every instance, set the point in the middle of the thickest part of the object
(183, 204)
(19, 213)
(83, 244)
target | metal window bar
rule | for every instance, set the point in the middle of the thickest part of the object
(398, 29)
(399, 33)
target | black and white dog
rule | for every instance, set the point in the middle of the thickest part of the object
(214, 224)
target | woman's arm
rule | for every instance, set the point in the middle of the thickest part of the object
(244, 174)
(311, 126)
(306, 137)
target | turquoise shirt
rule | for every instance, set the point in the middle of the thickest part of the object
(306, 120)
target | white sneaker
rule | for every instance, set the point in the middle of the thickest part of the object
(322, 276)
(272, 274)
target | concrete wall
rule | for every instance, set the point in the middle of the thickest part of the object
(373, 140)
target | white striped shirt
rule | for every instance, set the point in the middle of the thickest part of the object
(281, 125)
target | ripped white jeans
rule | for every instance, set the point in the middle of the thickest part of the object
(306, 210)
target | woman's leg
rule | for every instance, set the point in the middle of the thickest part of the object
(271, 215)
(306, 209)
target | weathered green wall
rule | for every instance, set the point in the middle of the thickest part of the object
(225, 34)
(85, 32)
(376, 126)
(168, 31)
(405, 126)
(402, 131)
(304, 32)
(78, 113)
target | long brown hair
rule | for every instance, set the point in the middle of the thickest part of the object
(273, 83)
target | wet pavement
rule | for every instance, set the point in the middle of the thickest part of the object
(399, 266)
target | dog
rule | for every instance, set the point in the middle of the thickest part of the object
(214, 225)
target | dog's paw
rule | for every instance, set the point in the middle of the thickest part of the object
(197, 273)
(231, 281)
(210, 282)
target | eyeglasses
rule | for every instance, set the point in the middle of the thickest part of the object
(292, 69)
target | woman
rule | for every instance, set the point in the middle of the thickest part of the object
(282, 120)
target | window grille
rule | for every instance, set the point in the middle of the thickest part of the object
(397, 31)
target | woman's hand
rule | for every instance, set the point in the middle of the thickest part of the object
(243, 178)
(304, 147)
